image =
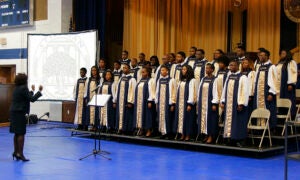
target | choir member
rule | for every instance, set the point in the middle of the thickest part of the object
(154, 63)
(192, 58)
(102, 68)
(223, 63)
(123, 101)
(135, 70)
(257, 62)
(199, 66)
(217, 54)
(144, 110)
(107, 113)
(207, 103)
(165, 62)
(142, 61)
(172, 58)
(92, 113)
(125, 59)
(117, 71)
(78, 93)
(240, 52)
(234, 103)
(247, 70)
(185, 110)
(265, 87)
(165, 100)
(176, 68)
(287, 78)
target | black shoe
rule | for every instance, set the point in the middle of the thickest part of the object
(14, 155)
(22, 158)
(239, 144)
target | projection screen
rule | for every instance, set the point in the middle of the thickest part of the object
(54, 61)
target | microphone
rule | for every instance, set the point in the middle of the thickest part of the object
(96, 88)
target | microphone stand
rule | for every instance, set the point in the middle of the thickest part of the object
(96, 151)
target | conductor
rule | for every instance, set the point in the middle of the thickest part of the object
(19, 108)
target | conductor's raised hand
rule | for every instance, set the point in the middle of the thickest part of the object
(40, 88)
(33, 87)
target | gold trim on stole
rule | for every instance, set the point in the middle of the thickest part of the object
(92, 108)
(181, 107)
(121, 104)
(204, 101)
(80, 101)
(139, 105)
(162, 110)
(229, 105)
(103, 110)
(261, 95)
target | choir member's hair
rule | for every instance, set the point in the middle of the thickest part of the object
(118, 62)
(261, 49)
(173, 55)
(266, 52)
(110, 72)
(221, 52)
(83, 69)
(156, 64)
(143, 54)
(21, 79)
(125, 64)
(148, 70)
(211, 66)
(251, 64)
(234, 61)
(242, 47)
(288, 57)
(182, 54)
(224, 59)
(97, 73)
(193, 47)
(102, 59)
(201, 50)
(164, 66)
(189, 74)
(126, 52)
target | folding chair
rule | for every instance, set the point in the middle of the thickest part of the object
(260, 114)
(284, 103)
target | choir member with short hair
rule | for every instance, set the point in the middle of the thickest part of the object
(165, 100)
(234, 103)
(144, 110)
(176, 68)
(223, 62)
(207, 103)
(165, 62)
(199, 66)
(192, 58)
(265, 87)
(217, 54)
(185, 111)
(135, 70)
(117, 71)
(142, 61)
(78, 93)
(124, 100)
(125, 59)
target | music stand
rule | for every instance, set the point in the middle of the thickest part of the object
(98, 100)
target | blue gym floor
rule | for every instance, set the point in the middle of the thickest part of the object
(54, 154)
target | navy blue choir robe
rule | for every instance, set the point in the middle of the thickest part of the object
(287, 75)
(124, 96)
(92, 112)
(235, 92)
(136, 73)
(199, 69)
(186, 96)
(165, 98)
(207, 96)
(251, 79)
(190, 60)
(175, 71)
(117, 75)
(265, 84)
(79, 91)
(144, 94)
(106, 113)
(221, 76)
(125, 61)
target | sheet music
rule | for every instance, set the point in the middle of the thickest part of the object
(99, 100)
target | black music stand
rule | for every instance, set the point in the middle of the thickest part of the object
(98, 100)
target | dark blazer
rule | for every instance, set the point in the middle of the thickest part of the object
(22, 98)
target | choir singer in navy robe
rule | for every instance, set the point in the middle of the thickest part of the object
(234, 101)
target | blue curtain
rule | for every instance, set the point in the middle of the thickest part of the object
(90, 15)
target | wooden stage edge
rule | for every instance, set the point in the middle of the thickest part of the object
(4, 124)
(252, 151)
